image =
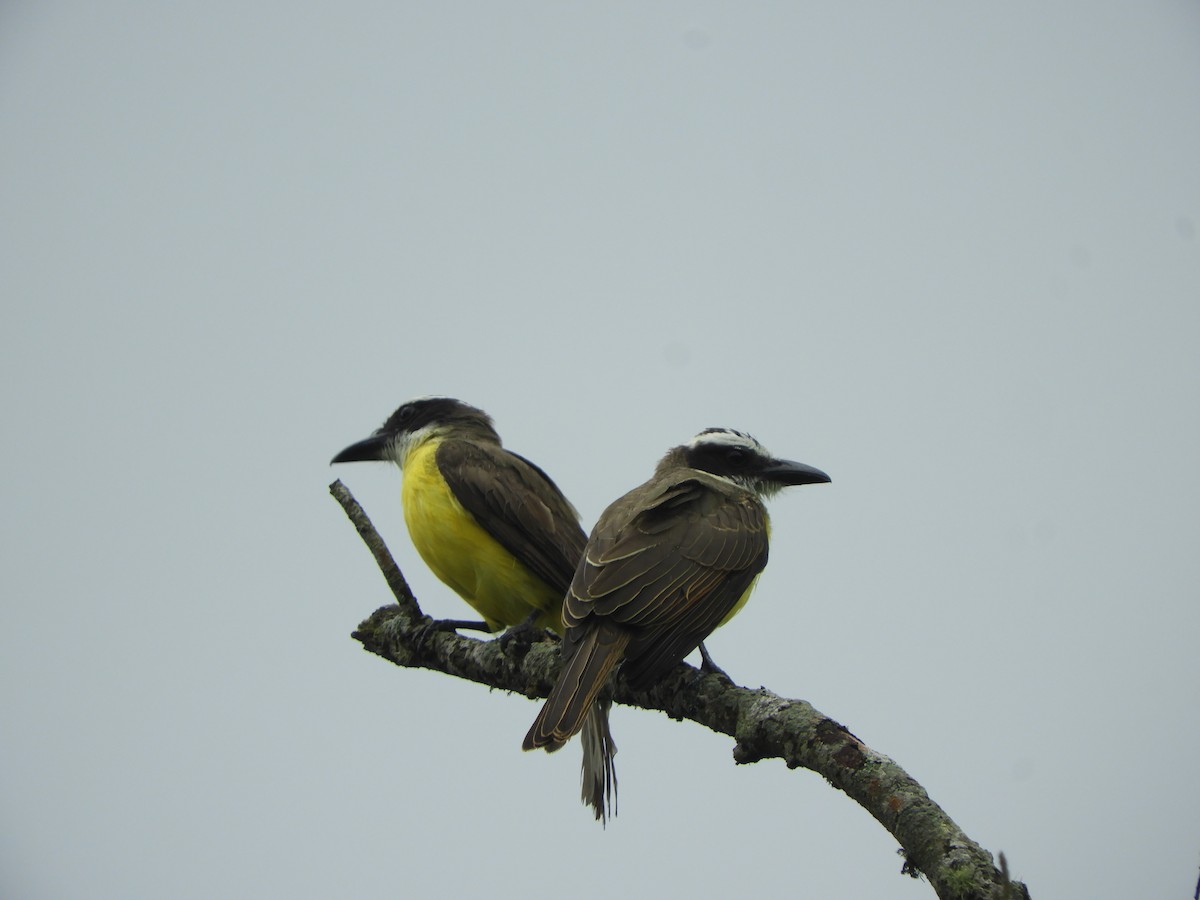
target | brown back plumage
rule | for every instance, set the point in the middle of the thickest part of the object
(664, 566)
(668, 562)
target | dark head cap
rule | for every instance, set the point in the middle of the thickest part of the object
(416, 421)
(738, 457)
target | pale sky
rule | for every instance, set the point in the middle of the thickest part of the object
(946, 253)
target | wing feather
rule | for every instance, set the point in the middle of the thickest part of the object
(516, 503)
(670, 567)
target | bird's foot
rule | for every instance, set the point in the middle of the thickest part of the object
(708, 667)
(463, 624)
(522, 636)
(425, 633)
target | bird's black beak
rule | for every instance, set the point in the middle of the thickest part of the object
(784, 471)
(374, 449)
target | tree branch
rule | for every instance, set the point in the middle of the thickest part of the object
(763, 725)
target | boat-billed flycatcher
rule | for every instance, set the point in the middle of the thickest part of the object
(665, 565)
(489, 523)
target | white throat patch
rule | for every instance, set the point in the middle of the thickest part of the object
(403, 446)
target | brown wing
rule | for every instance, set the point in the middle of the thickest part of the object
(516, 503)
(668, 561)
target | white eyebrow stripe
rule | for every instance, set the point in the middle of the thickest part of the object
(727, 437)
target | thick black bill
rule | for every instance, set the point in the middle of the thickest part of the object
(373, 449)
(784, 471)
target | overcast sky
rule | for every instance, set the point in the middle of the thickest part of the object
(947, 253)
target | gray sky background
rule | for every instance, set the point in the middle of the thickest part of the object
(948, 253)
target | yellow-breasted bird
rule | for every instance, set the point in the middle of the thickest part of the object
(665, 565)
(488, 522)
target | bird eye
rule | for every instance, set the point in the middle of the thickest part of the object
(735, 455)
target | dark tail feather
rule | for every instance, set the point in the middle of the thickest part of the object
(573, 705)
(580, 681)
(598, 776)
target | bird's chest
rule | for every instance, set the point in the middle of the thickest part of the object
(437, 522)
(461, 553)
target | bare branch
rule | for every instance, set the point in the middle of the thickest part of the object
(383, 556)
(763, 725)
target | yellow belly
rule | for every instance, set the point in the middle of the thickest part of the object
(737, 607)
(464, 556)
